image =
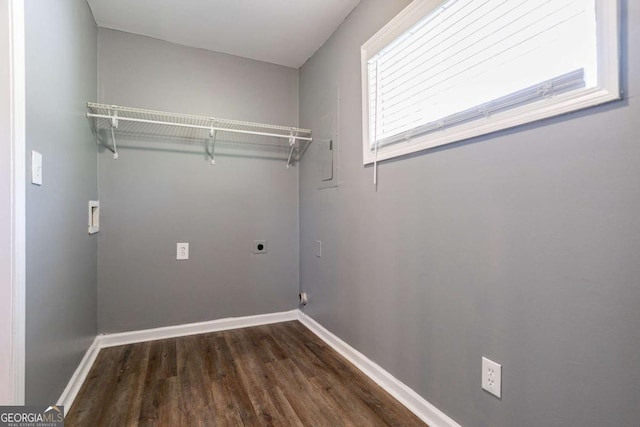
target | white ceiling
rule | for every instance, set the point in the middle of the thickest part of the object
(284, 32)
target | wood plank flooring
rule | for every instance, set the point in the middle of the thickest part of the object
(272, 375)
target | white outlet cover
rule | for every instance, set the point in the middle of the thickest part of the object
(182, 251)
(492, 377)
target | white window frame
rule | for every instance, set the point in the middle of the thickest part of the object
(607, 89)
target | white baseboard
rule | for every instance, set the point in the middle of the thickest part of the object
(405, 395)
(73, 387)
(123, 338)
(110, 340)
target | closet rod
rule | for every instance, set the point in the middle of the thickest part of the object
(157, 122)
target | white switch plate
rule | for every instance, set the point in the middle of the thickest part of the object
(182, 251)
(492, 377)
(36, 168)
(319, 248)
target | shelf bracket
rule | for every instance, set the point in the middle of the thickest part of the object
(114, 125)
(292, 142)
(212, 135)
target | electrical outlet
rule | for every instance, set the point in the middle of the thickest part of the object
(304, 299)
(36, 168)
(492, 377)
(182, 251)
(259, 246)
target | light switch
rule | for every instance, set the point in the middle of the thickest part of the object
(36, 168)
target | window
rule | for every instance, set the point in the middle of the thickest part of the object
(441, 72)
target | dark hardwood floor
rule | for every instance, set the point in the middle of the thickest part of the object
(273, 375)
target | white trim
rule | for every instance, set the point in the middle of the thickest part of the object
(561, 104)
(400, 391)
(18, 144)
(79, 376)
(608, 89)
(122, 338)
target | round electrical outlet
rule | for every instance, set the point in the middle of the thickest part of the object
(260, 247)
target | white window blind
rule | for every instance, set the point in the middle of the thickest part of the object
(469, 59)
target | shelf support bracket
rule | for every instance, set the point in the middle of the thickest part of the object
(114, 125)
(292, 142)
(212, 135)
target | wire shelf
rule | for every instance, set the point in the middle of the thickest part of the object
(136, 121)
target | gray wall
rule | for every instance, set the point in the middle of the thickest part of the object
(521, 246)
(61, 256)
(160, 192)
